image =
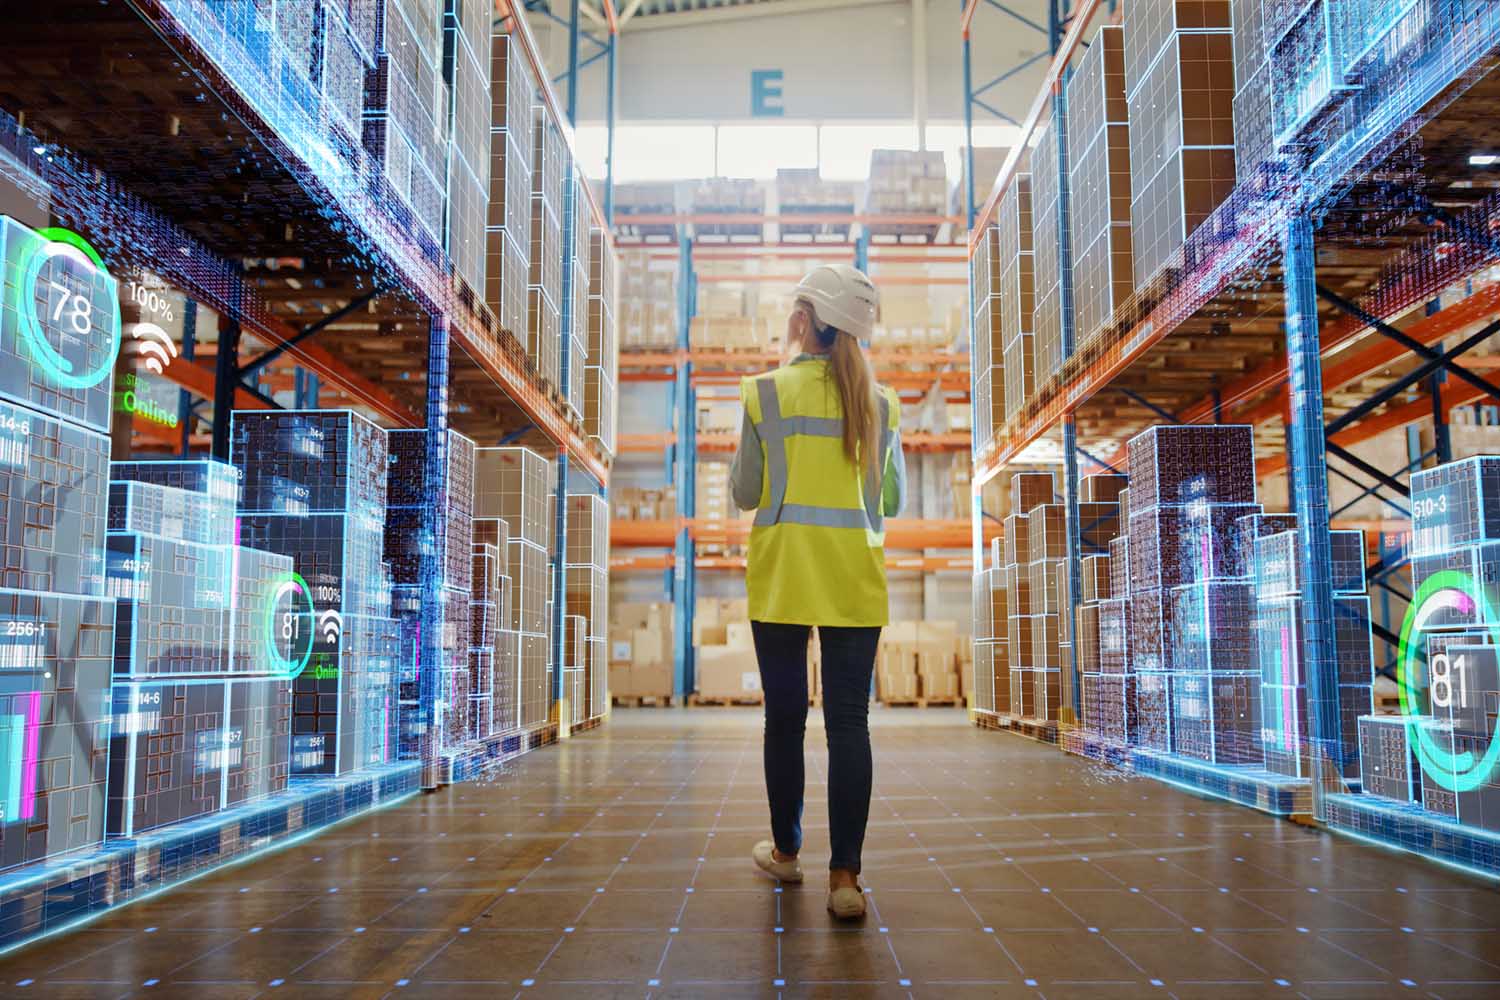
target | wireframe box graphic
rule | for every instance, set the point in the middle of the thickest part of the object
(54, 723)
(60, 332)
(53, 497)
(315, 490)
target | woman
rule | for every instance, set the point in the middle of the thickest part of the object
(820, 463)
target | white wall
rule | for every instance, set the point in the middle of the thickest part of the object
(850, 63)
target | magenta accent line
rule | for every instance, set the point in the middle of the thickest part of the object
(1204, 547)
(1288, 701)
(29, 758)
(234, 570)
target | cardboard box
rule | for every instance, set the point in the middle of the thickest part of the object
(896, 678)
(712, 617)
(738, 635)
(651, 679)
(728, 672)
(939, 680)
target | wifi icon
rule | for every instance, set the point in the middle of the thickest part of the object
(331, 626)
(154, 345)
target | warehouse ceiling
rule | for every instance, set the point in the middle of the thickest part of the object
(646, 14)
(654, 8)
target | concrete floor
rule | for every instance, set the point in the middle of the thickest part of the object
(616, 865)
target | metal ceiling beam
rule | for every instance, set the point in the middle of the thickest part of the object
(741, 12)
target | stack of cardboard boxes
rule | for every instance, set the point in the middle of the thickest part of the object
(724, 196)
(1015, 298)
(988, 345)
(903, 182)
(634, 503)
(508, 228)
(1099, 186)
(648, 299)
(920, 662)
(1097, 622)
(1191, 612)
(914, 317)
(1048, 211)
(713, 502)
(544, 299)
(640, 651)
(991, 651)
(1179, 78)
(632, 200)
(725, 658)
(802, 191)
(719, 416)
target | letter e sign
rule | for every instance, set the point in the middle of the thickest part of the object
(765, 93)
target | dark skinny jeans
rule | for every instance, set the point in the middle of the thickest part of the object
(848, 663)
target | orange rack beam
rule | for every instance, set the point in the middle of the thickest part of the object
(900, 533)
(1481, 307)
(893, 564)
(722, 441)
(708, 358)
(799, 218)
(644, 442)
(792, 279)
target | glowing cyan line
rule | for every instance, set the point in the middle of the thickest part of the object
(1444, 591)
(293, 584)
(69, 246)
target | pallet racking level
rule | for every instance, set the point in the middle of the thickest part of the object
(1336, 291)
(698, 370)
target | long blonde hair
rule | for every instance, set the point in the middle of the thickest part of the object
(850, 372)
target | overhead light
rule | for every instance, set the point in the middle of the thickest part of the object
(1483, 159)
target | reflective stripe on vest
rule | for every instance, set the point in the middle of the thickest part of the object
(774, 429)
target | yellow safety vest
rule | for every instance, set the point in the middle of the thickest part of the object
(817, 547)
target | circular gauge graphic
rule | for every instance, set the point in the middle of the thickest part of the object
(290, 626)
(1432, 686)
(68, 309)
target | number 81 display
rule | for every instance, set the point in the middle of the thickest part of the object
(1452, 676)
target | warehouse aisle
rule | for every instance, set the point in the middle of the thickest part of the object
(615, 866)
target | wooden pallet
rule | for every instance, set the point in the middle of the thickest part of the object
(921, 702)
(739, 701)
(644, 701)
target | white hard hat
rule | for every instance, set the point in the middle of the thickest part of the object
(842, 297)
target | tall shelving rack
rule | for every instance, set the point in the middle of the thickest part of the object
(912, 542)
(264, 204)
(1332, 244)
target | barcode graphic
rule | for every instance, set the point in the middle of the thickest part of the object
(14, 452)
(21, 657)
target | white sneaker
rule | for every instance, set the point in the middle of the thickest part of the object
(846, 903)
(765, 859)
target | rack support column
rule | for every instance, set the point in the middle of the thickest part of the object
(1073, 690)
(684, 568)
(1309, 480)
(434, 527)
(226, 381)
